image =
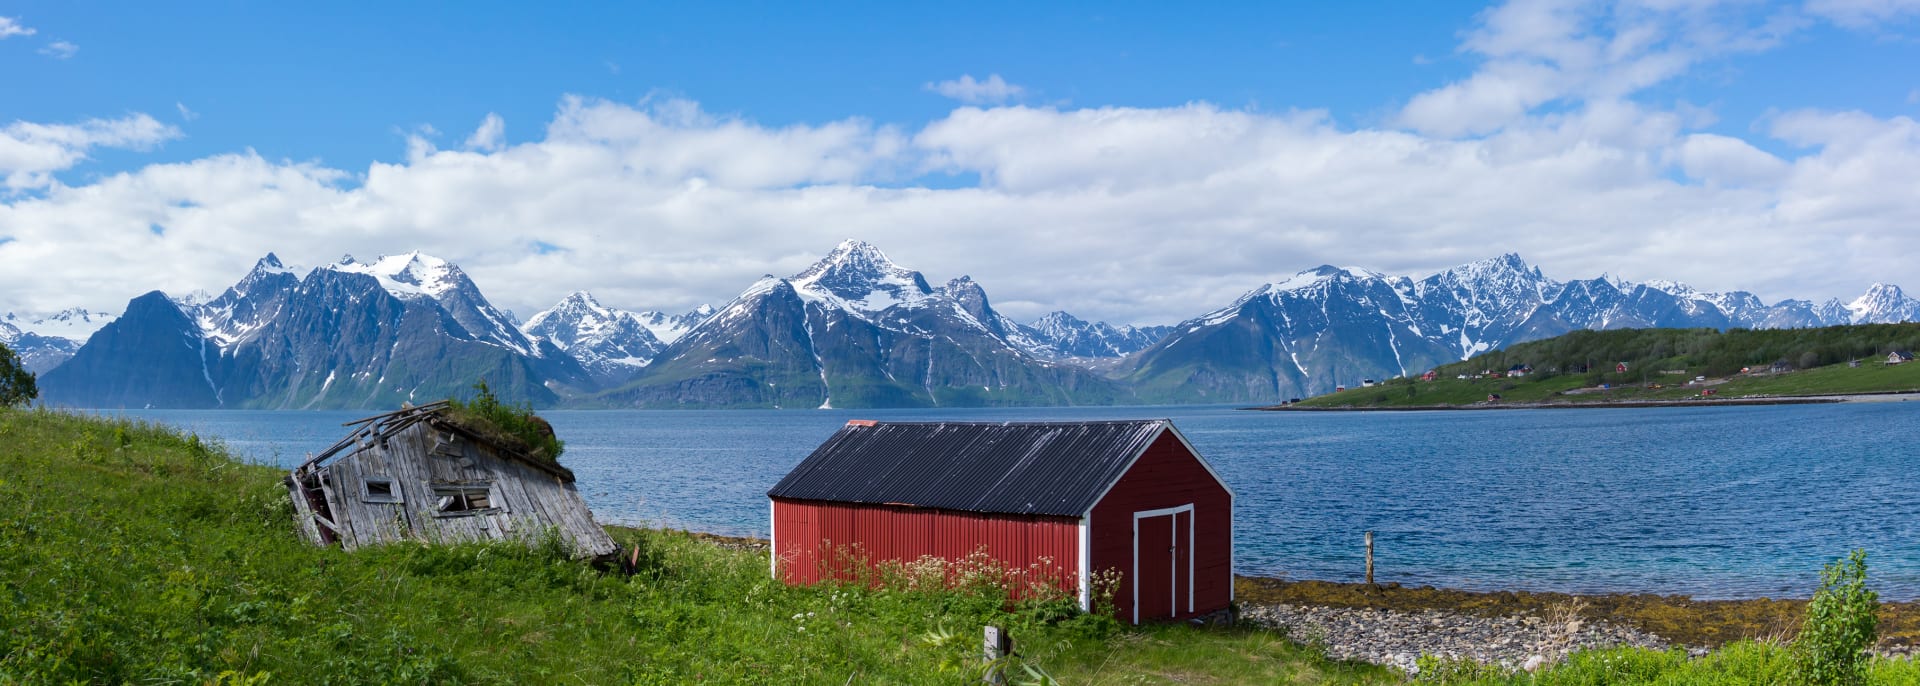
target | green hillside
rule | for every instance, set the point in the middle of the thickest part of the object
(1661, 365)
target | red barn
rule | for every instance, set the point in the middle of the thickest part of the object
(1069, 498)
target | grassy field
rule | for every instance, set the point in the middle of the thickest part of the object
(1836, 379)
(133, 554)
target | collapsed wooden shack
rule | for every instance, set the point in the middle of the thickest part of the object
(416, 474)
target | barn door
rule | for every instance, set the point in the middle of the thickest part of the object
(1162, 563)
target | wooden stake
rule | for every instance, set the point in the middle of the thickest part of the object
(1369, 558)
(994, 649)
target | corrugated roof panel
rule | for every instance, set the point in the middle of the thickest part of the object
(1045, 468)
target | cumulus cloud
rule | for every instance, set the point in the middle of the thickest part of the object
(60, 50)
(965, 89)
(1128, 214)
(10, 27)
(30, 152)
(491, 134)
(1537, 52)
(1136, 215)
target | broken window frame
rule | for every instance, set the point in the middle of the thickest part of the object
(458, 499)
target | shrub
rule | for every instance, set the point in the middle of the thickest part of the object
(16, 383)
(510, 424)
(1840, 626)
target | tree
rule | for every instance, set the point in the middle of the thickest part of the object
(16, 383)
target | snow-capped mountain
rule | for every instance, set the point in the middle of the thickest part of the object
(1327, 327)
(670, 327)
(37, 353)
(1067, 336)
(612, 344)
(857, 330)
(74, 323)
(350, 334)
(44, 342)
(853, 330)
(1882, 303)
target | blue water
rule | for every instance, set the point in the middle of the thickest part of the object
(1719, 502)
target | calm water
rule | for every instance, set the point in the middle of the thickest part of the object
(1712, 502)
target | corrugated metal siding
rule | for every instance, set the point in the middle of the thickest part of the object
(1052, 468)
(1168, 475)
(815, 541)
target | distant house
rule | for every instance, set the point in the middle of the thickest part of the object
(1620, 368)
(417, 475)
(1368, 383)
(1853, 364)
(1520, 370)
(1899, 357)
(1780, 366)
(1431, 375)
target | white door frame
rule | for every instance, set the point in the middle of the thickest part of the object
(1173, 565)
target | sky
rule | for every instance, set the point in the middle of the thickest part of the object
(1138, 163)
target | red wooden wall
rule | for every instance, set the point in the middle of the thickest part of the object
(815, 540)
(1166, 476)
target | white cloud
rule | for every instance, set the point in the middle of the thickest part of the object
(1133, 215)
(186, 114)
(30, 153)
(1537, 52)
(1864, 14)
(60, 50)
(1144, 215)
(10, 27)
(965, 89)
(491, 134)
(1731, 161)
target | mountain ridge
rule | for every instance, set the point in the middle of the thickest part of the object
(854, 329)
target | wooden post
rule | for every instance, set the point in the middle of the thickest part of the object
(1369, 558)
(993, 650)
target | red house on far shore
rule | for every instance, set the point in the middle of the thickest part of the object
(1069, 498)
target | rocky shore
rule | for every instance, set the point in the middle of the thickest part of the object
(1390, 624)
(1399, 638)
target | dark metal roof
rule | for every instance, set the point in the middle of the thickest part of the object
(1038, 468)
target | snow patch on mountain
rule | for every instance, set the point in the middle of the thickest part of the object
(74, 323)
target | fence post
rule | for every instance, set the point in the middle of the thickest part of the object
(994, 651)
(1369, 558)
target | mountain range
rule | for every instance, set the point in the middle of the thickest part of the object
(853, 330)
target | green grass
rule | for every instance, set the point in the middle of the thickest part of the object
(130, 553)
(133, 554)
(1746, 663)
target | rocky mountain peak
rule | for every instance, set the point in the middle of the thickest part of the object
(858, 273)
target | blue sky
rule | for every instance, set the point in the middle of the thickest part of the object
(1702, 139)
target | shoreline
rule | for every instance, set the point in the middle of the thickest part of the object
(1503, 616)
(1863, 396)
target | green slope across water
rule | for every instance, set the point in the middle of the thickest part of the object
(1661, 365)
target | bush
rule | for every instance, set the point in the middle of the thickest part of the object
(511, 424)
(1841, 623)
(16, 383)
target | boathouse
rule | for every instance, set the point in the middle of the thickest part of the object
(418, 474)
(1075, 501)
